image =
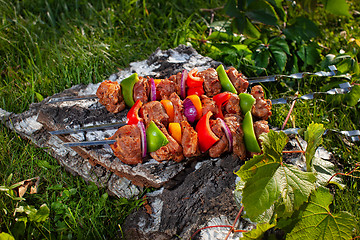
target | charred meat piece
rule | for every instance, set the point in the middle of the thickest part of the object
(212, 84)
(238, 80)
(154, 111)
(260, 127)
(177, 80)
(233, 123)
(208, 104)
(262, 107)
(233, 105)
(128, 144)
(171, 151)
(189, 140)
(220, 146)
(165, 88)
(109, 94)
(178, 108)
(141, 90)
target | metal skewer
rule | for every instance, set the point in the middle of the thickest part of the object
(89, 128)
(88, 143)
(72, 98)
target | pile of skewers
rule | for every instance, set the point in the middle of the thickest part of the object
(186, 115)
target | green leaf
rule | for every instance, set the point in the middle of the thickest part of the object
(231, 8)
(262, 57)
(6, 236)
(302, 29)
(317, 222)
(325, 170)
(337, 7)
(309, 54)
(313, 137)
(352, 98)
(279, 56)
(244, 26)
(267, 179)
(39, 97)
(258, 232)
(263, 12)
(40, 215)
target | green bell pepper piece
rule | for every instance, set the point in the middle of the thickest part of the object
(127, 88)
(250, 140)
(155, 138)
(246, 102)
(225, 82)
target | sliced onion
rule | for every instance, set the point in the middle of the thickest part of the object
(152, 90)
(190, 111)
(141, 126)
(227, 133)
(184, 77)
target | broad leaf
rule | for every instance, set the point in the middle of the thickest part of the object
(267, 179)
(262, 57)
(302, 29)
(279, 56)
(317, 222)
(352, 98)
(262, 11)
(258, 232)
(281, 44)
(6, 236)
(309, 54)
(337, 7)
(325, 170)
(41, 215)
(231, 8)
(313, 137)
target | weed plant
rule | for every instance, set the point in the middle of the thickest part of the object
(47, 46)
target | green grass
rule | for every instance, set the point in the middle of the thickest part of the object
(47, 46)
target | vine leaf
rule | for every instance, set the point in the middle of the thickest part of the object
(258, 232)
(267, 179)
(318, 222)
(313, 137)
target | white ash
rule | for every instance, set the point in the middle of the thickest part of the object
(221, 232)
(58, 147)
(143, 69)
(4, 114)
(160, 53)
(90, 89)
(157, 206)
(28, 125)
(176, 57)
(122, 187)
(86, 103)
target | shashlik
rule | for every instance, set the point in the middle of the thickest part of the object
(207, 119)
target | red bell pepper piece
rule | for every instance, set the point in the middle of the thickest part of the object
(193, 80)
(196, 91)
(205, 135)
(132, 116)
(221, 99)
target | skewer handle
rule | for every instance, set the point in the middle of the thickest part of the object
(89, 128)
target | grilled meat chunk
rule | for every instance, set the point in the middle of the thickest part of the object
(233, 123)
(165, 88)
(178, 108)
(152, 111)
(212, 84)
(260, 127)
(141, 90)
(220, 146)
(208, 104)
(109, 94)
(128, 144)
(233, 105)
(177, 80)
(238, 80)
(262, 107)
(171, 151)
(189, 140)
